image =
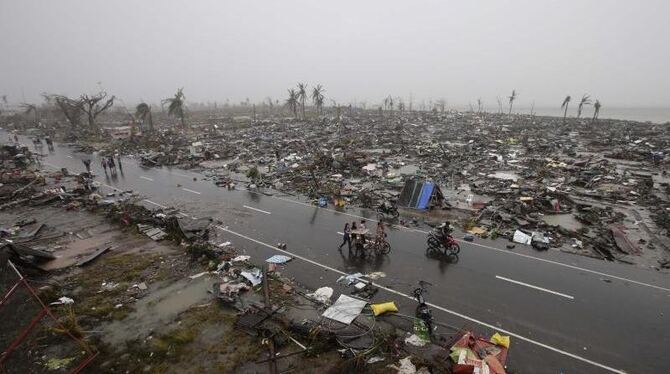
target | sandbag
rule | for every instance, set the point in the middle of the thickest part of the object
(382, 308)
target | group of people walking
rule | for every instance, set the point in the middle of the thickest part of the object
(108, 162)
(357, 232)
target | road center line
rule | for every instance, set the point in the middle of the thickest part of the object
(156, 204)
(535, 287)
(147, 178)
(457, 314)
(258, 210)
(494, 249)
(191, 191)
(460, 241)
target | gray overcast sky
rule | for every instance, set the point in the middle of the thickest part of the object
(618, 51)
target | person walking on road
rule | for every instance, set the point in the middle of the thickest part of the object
(346, 237)
(104, 164)
(118, 161)
(112, 166)
(87, 163)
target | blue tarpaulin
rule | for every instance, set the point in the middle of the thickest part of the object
(426, 193)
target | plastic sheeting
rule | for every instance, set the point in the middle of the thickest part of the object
(345, 309)
(426, 193)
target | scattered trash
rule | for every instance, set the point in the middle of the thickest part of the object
(415, 340)
(255, 276)
(59, 363)
(278, 259)
(195, 276)
(63, 300)
(375, 275)
(374, 359)
(350, 279)
(405, 366)
(502, 340)
(322, 294)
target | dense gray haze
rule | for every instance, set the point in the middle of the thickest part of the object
(617, 51)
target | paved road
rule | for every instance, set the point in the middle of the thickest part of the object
(566, 313)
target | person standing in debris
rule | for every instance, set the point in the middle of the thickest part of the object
(363, 226)
(346, 237)
(87, 163)
(104, 164)
(16, 138)
(118, 161)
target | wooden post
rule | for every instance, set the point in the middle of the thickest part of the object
(266, 287)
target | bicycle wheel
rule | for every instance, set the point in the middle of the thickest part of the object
(384, 248)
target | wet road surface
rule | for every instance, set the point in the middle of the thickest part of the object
(565, 313)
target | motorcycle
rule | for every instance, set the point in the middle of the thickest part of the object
(442, 244)
(387, 210)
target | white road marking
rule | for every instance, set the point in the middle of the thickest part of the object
(147, 178)
(156, 204)
(108, 186)
(457, 314)
(460, 241)
(569, 266)
(258, 210)
(183, 215)
(494, 248)
(180, 175)
(69, 156)
(535, 287)
(191, 191)
(340, 233)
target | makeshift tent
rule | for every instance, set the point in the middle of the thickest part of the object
(420, 194)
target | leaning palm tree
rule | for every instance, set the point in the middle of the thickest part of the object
(586, 100)
(177, 105)
(511, 100)
(292, 102)
(302, 95)
(143, 112)
(317, 97)
(31, 108)
(565, 104)
(596, 110)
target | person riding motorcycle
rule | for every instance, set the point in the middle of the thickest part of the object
(444, 230)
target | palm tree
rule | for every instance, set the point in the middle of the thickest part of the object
(143, 112)
(302, 95)
(596, 110)
(292, 102)
(177, 105)
(317, 97)
(31, 108)
(511, 100)
(586, 100)
(565, 104)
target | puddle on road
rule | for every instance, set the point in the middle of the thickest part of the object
(159, 308)
(566, 221)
